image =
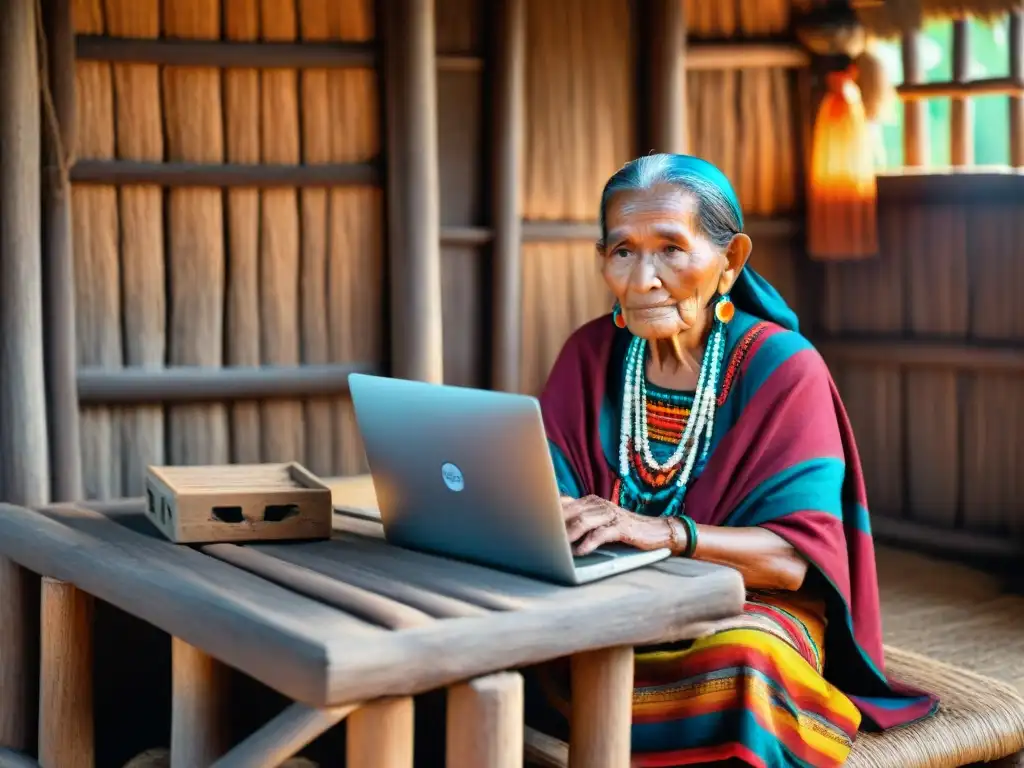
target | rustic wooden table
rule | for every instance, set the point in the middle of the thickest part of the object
(350, 627)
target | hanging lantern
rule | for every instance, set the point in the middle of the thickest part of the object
(842, 193)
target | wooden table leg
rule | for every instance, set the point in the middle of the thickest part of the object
(18, 627)
(485, 722)
(198, 694)
(380, 735)
(65, 677)
(602, 705)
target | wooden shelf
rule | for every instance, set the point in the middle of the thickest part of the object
(124, 386)
(913, 353)
(538, 231)
(951, 186)
(257, 55)
(172, 174)
(700, 56)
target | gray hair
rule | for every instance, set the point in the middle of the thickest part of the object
(718, 211)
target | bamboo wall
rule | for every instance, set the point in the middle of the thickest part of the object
(936, 400)
(211, 277)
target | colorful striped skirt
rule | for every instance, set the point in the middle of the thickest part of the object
(753, 691)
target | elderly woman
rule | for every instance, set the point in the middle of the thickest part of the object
(696, 417)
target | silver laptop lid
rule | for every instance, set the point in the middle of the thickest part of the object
(463, 472)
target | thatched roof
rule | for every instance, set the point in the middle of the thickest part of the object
(889, 18)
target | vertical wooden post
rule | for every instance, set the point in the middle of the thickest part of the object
(961, 113)
(1017, 102)
(602, 705)
(380, 735)
(24, 473)
(58, 259)
(485, 722)
(668, 76)
(509, 107)
(413, 190)
(198, 697)
(65, 678)
(915, 111)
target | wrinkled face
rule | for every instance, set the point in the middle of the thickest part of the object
(660, 268)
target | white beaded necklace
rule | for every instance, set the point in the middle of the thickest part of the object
(696, 438)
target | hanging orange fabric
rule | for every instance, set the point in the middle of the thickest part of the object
(842, 192)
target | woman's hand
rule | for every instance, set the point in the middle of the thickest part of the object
(593, 521)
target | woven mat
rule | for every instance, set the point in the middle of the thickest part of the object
(952, 613)
(978, 720)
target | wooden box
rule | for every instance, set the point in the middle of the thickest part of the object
(238, 502)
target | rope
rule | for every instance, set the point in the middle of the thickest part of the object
(62, 154)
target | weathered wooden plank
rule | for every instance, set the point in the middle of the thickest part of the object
(323, 656)
(184, 384)
(24, 459)
(413, 190)
(509, 115)
(367, 605)
(268, 632)
(58, 255)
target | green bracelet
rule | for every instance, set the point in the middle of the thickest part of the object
(691, 536)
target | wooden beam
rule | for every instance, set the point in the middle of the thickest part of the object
(58, 255)
(918, 353)
(466, 236)
(961, 123)
(413, 190)
(1017, 100)
(992, 86)
(24, 457)
(136, 386)
(539, 231)
(946, 187)
(364, 55)
(915, 123)
(248, 55)
(747, 55)
(509, 108)
(943, 541)
(667, 61)
(182, 174)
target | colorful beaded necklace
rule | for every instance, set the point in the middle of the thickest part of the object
(645, 479)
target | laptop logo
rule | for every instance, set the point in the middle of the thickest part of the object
(452, 477)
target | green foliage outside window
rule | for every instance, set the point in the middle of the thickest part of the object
(990, 57)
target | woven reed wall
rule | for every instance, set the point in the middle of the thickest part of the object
(202, 276)
(941, 447)
(580, 122)
(579, 130)
(749, 123)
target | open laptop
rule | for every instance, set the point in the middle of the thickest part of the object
(466, 473)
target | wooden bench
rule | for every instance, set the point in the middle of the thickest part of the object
(979, 721)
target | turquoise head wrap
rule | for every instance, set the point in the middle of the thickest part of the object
(751, 292)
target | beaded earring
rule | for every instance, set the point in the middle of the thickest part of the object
(617, 317)
(725, 310)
